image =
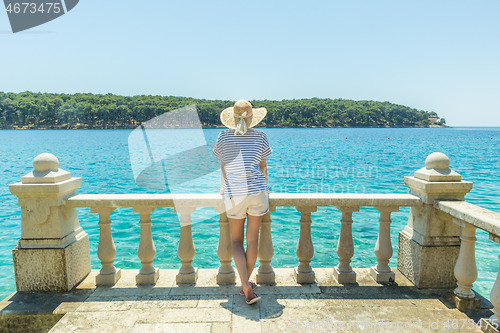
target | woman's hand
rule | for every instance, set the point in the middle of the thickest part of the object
(221, 191)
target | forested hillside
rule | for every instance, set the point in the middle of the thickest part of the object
(45, 110)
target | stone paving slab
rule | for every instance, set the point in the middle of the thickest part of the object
(325, 306)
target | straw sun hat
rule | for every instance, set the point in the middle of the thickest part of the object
(242, 116)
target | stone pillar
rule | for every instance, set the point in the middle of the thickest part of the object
(225, 274)
(495, 300)
(148, 274)
(53, 252)
(429, 244)
(186, 250)
(305, 249)
(265, 273)
(492, 323)
(465, 269)
(343, 272)
(106, 250)
(383, 248)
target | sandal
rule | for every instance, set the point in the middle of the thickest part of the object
(254, 286)
(253, 300)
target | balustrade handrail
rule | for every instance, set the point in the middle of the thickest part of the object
(214, 200)
(479, 217)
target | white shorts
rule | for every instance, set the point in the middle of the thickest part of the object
(255, 204)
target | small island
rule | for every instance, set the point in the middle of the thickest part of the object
(30, 110)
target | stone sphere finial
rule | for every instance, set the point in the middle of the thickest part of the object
(437, 161)
(45, 162)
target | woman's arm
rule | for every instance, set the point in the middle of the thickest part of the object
(222, 176)
(263, 168)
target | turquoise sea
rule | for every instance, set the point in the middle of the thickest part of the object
(353, 160)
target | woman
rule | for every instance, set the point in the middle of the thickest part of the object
(244, 184)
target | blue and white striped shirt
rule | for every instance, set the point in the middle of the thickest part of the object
(242, 155)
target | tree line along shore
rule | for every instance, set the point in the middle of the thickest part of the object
(29, 110)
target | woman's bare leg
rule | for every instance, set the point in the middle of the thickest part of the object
(237, 227)
(253, 227)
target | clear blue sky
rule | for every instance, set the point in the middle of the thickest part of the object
(441, 56)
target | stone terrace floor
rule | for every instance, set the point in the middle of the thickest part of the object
(286, 307)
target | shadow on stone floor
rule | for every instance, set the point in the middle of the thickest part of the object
(226, 296)
(28, 322)
(38, 311)
(222, 305)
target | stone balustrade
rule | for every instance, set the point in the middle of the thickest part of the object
(305, 203)
(470, 217)
(435, 249)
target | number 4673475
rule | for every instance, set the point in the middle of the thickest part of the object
(32, 7)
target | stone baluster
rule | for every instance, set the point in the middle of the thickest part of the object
(265, 273)
(495, 300)
(186, 250)
(492, 323)
(225, 252)
(383, 248)
(148, 274)
(465, 268)
(343, 273)
(106, 250)
(305, 249)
